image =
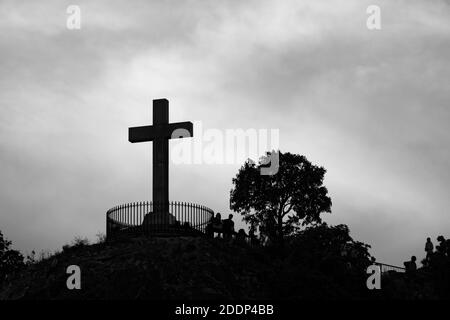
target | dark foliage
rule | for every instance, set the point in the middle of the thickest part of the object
(10, 260)
(323, 262)
(438, 267)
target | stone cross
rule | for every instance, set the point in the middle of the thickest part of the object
(160, 133)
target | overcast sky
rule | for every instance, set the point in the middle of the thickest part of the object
(371, 106)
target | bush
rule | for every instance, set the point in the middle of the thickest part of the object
(101, 237)
(77, 242)
(10, 260)
(322, 261)
(80, 242)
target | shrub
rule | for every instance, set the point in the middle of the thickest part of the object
(10, 260)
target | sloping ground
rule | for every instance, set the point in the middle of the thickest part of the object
(155, 268)
(418, 286)
(193, 268)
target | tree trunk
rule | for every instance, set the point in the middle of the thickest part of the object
(280, 230)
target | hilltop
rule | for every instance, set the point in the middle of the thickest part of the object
(194, 268)
(171, 268)
(153, 268)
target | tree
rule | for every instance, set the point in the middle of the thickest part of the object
(281, 203)
(323, 262)
(10, 260)
(330, 247)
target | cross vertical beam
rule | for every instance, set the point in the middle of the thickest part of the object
(161, 158)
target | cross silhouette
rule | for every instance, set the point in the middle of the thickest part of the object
(160, 133)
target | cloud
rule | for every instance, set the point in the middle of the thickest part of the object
(370, 106)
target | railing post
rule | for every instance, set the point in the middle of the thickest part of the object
(192, 215)
(179, 217)
(171, 212)
(107, 225)
(127, 212)
(194, 221)
(144, 219)
(196, 216)
(182, 212)
(131, 217)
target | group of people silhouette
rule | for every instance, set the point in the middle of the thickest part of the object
(442, 250)
(221, 227)
(224, 228)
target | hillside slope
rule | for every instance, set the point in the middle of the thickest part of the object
(155, 268)
(194, 268)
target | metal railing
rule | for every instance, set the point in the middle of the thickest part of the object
(148, 218)
(387, 268)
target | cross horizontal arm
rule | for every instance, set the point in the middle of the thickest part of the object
(150, 133)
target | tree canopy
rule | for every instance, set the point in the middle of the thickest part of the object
(281, 203)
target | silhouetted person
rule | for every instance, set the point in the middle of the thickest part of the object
(429, 247)
(217, 224)
(209, 230)
(214, 225)
(410, 266)
(241, 236)
(444, 246)
(228, 227)
(252, 236)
